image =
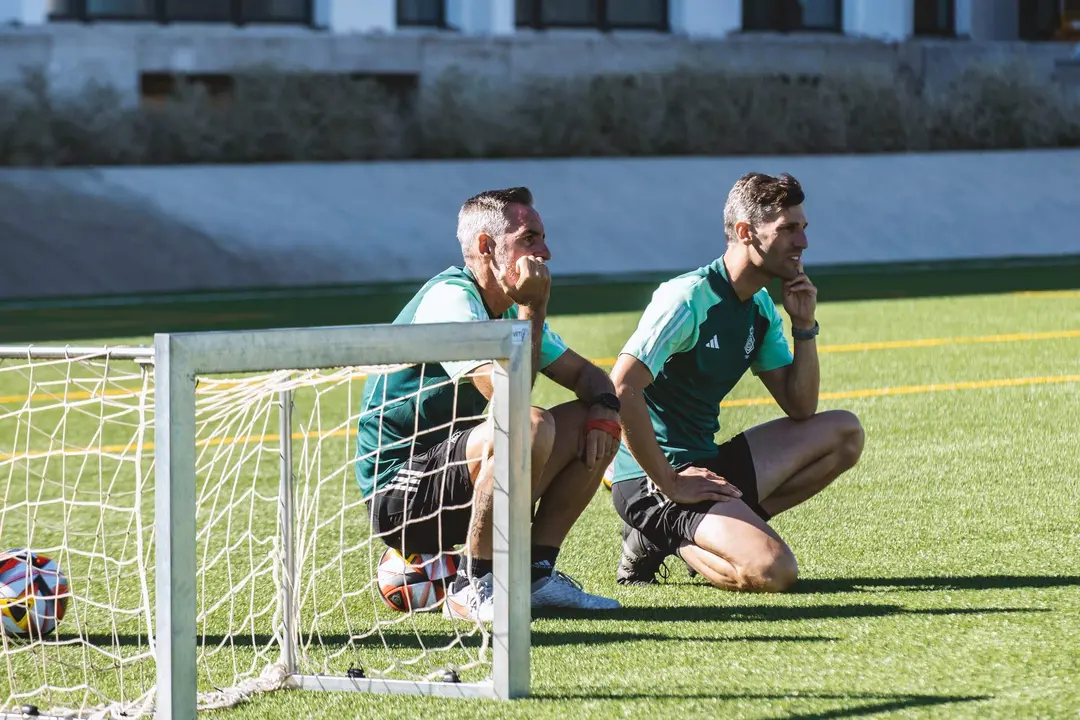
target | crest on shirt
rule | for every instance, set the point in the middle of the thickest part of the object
(749, 346)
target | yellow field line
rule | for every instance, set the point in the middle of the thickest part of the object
(919, 389)
(82, 395)
(210, 442)
(742, 402)
(925, 342)
(934, 342)
(118, 393)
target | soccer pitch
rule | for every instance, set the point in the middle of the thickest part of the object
(939, 576)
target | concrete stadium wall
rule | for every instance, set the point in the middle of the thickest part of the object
(118, 54)
(134, 230)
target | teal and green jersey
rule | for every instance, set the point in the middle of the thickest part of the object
(698, 339)
(407, 412)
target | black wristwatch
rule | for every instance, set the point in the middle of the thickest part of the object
(810, 334)
(608, 400)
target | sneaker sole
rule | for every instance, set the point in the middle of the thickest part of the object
(636, 581)
(454, 611)
(606, 608)
(455, 614)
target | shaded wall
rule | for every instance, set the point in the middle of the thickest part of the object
(132, 230)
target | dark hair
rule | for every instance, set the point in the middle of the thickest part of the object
(499, 199)
(757, 196)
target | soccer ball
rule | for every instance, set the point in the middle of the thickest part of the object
(33, 594)
(415, 582)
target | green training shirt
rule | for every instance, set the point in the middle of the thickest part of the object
(408, 412)
(698, 339)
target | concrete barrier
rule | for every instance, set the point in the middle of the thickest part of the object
(135, 230)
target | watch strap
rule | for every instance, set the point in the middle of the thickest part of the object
(806, 334)
(608, 400)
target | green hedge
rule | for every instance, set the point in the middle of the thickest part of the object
(272, 117)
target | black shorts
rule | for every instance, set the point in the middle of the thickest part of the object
(427, 506)
(641, 505)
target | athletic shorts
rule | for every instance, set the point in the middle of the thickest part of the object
(641, 505)
(427, 506)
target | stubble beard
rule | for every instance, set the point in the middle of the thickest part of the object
(504, 270)
(777, 267)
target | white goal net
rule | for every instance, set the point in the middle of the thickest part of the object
(286, 589)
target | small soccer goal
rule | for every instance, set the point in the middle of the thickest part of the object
(181, 525)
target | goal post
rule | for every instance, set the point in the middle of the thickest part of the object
(180, 358)
(177, 418)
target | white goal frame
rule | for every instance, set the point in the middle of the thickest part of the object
(179, 358)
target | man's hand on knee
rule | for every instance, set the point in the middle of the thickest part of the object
(694, 485)
(600, 437)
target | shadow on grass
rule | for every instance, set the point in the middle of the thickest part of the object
(596, 637)
(400, 639)
(933, 583)
(769, 613)
(885, 705)
(864, 703)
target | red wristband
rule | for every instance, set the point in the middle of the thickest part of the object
(611, 427)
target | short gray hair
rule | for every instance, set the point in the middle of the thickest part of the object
(756, 196)
(486, 213)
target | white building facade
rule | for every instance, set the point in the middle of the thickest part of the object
(890, 20)
(142, 47)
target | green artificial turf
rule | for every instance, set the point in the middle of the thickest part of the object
(939, 577)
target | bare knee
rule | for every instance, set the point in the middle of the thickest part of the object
(543, 435)
(851, 438)
(772, 573)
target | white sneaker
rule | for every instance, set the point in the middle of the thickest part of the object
(473, 602)
(559, 590)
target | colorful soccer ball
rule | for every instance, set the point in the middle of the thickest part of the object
(33, 594)
(415, 582)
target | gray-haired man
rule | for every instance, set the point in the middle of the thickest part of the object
(431, 487)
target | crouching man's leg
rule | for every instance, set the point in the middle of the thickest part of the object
(568, 485)
(473, 590)
(776, 466)
(796, 459)
(728, 543)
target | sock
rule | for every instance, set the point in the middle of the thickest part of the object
(480, 568)
(543, 561)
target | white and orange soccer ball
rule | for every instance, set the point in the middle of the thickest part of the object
(33, 594)
(415, 582)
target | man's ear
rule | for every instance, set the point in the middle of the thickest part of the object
(485, 245)
(743, 231)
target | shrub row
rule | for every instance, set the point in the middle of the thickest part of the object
(268, 117)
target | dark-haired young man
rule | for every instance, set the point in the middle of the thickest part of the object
(424, 454)
(676, 490)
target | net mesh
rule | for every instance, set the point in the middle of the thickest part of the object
(76, 469)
